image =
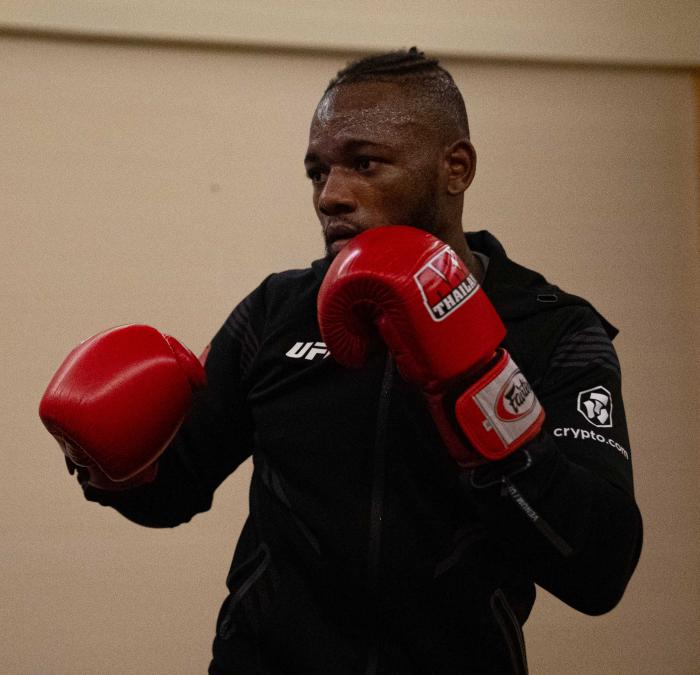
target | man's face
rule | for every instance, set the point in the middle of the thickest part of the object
(373, 160)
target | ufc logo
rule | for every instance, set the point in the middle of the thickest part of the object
(308, 350)
(444, 284)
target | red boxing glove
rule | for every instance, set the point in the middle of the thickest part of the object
(442, 331)
(117, 401)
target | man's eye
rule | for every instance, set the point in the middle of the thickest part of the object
(315, 175)
(364, 163)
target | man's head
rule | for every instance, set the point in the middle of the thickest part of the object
(389, 144)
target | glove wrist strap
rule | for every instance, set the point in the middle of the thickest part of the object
(499, 412)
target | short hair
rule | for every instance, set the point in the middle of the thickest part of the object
(424, 77)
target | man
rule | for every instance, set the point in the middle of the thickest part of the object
(391, 530)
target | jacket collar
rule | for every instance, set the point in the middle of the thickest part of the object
(516, 291)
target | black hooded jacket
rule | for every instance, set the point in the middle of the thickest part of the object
(365, 549)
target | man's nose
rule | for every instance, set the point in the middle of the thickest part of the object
(337, 196)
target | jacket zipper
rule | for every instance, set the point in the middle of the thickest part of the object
(263, 553)
(377, 509)
(540, 523)
(511, 630)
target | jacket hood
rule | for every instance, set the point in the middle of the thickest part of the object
(518, 292)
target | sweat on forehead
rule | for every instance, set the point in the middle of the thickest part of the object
(367, 103)
(417, 101)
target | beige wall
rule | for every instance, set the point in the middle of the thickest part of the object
(598, 31)
(160, 185)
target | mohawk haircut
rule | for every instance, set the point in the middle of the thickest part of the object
(426, 80)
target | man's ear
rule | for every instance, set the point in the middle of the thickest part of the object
(460, 163)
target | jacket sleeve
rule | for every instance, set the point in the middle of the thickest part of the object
(215, 438)
(563, 506)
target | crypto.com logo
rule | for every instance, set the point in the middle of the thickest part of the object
(596, 406)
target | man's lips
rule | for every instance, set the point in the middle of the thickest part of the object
(337, 245)
(340, 229)
(338, 233)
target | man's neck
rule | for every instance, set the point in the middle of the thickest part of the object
(458, 242)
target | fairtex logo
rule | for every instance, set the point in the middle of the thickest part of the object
(444, 284)
(515, 399)
(308, 350)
